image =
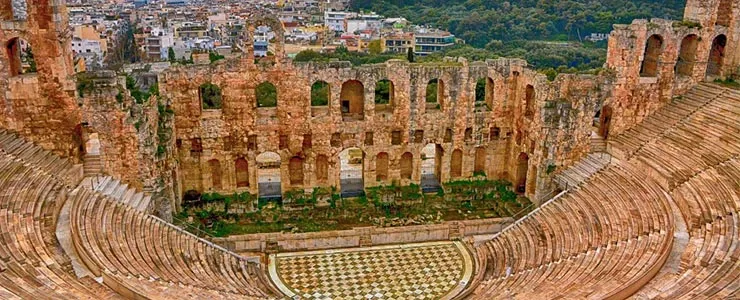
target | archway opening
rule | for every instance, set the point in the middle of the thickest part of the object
(322, 168)
(320, 93)
(268, 175)
(266, 94)
(241, 167)
(716, 55)
(653, 50)
(456, 164)
(480, 162)
(215, 167)
(295, 166)
(384, 96)
(431, 167)
(483, 94)
(353, 100)
(687, 55)
(351, 177)
(381, 166)
(210, 96)
(407, 165)
(434, 94)
(605, 119)
(20, 56)
(521, 172)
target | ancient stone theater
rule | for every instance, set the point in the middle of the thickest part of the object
(632, 175)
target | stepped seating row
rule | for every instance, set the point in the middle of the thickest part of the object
(61, 169)
(116, 238)
(131, 287)
(710, 264)
(582, 171)
(31, 265)
(711, 136)
(120, 191)
(626, 144)
(624, 235)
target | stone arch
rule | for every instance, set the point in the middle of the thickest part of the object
(20, 57)
(352, 99)
(384, 95)
(295, 167)
(687, 55)
(266, 94)
(276, 28)
(381, 166)
(529, 101)
(215, 168)
(724, 13)
(716, 55)
(352, 172)
(268, 175)
(651, 58)
(210, 96)
(407, 165)
(431, 166)
(435, 93)
(480, 160)
(320, 93)
(322, 168)
(522, 167)
(605, 120)
(456, 164)
(241, 168)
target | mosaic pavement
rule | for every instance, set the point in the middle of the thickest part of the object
(437, 270)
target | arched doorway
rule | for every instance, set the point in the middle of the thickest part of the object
(605, 120)
(20, 57)
(351, 172)
(653, 50)
(480, 161)
(268, 175)
(521, 172)
(456, 164)
(215, 167)
(407, 165)
(241, 166)
(381, 167)
(352, 100)
(295, 166)
(717, 56)
(431, 167)
(687, 55)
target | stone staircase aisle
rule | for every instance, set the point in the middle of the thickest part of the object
(119, 191)
(92, 165)
(594, 162)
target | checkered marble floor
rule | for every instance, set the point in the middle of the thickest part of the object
(436, 270)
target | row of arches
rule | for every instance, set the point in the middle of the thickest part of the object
(352, 96)
(687, 56)
(352, 169)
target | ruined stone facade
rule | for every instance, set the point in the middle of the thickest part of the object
(523, 128)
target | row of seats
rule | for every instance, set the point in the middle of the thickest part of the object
(113, 237)
(582, 170)
(710, 263)
(31, 264)
(118, 190)
(61, 169)
(581, 245)
(625, 145)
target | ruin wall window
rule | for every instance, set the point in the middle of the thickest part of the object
(396, 137)
(336, 139)
(320, 93)
(242, 172)
(384, 94)
(252, 142)
(210, 96)
(653, 50)
(266, 94)
(20, 57)
(529, 100)
(369, 141)
(196, 145)
(307, 141)
(418, 136)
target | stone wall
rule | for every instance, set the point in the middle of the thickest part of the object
(240, 129)
(362, 236)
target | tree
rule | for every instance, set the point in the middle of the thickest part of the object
(171, 55)
(28, 58)
(375, 47)
(210, 95)
(410, 55)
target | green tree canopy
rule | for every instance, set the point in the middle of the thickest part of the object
(266, 94)
(210, 96)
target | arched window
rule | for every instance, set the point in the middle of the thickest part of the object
(295, 167)
(456, 164)
(435, 94)
(687, 55)
(521, 174)
(320, 93)
(717, 55)
(381, 166)
(267, 95)
(484, 93)
(407, 165)
(653, 50)
(384, 95)
(353, 99)
(529, 100)
(210, 96)
(215, 166)
(242, 172)
(480, 90)
(322, 168)
(21, 57)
